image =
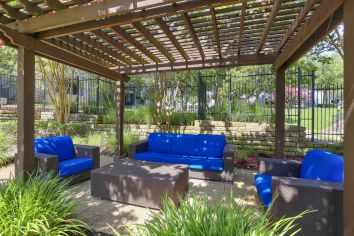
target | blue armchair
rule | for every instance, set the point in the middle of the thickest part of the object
(60, 156)
(291, 187)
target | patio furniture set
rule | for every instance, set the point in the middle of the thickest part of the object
(162, 165)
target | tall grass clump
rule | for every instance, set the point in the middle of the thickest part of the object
(197, 216)
(39, 206)
(6, 149)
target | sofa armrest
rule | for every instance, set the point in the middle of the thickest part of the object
(291, 196)
(141, 146)
(228, 155)
(277, 167)
(46, 163)
(89, 151)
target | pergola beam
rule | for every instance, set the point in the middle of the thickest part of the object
(71, 27)
(52, 52)
(240, 60)
(216, 31)
(322, 15)
(147, 35)
(164, 27)
(189, 25)
(129, 39)
(242, 25)
(304, 11)
(270, 22)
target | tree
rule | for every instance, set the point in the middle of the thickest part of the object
(58, 80)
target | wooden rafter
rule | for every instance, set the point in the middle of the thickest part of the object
(127, 37)
(13, 12)
(99, 46)
(50, 30)
(147, 35)
(271, 19)
(4, 19)
(32, 8)
(114, 43)
(165, 28)
(215, 30)
(242, 25)
(322, 14)
(188, 23)
(309, 4)
(55, 4)
(55, 53)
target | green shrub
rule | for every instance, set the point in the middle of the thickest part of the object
(52, 128)
(197, 216)
(244, 153)
(183, 118)
(139, 115)
(6, 145)
(39, 206)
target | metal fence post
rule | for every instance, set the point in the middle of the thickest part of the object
(201, 97)
(230, 98)
(299, 98)
(97, 95)
(313, 106)
(78, 94)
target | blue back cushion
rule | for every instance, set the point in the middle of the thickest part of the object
(210, 145)
(160, 142)
(321, 165)
(62, 146)
(184, 144)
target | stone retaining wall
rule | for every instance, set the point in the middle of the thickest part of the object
(255, 136)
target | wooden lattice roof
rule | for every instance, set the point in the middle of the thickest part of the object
(149, 35)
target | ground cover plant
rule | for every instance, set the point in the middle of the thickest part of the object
(197, 216)
(39, 206)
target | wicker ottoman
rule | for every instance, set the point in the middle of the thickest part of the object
(139, 182)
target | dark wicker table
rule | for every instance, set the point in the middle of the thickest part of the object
(140, 183)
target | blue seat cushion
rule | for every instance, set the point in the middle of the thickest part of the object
(62, 146)
(321, 165)
(264, 188)
(175, 159)
(184, 144)
(206, 163)
(74, 166)
(148, 156)
(210, 145)
(160, 142)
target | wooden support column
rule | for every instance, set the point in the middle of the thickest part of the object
(348, 118)
(280, 113)
(24, 162)
(119, 120)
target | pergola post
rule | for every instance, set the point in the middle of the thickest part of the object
(119, 117)
(280, 113)
(348, 118)
(24, 163)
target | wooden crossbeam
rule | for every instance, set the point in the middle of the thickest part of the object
(242, 25)
(13, 12)
(127, 37)
(147, 35)
(55, 53)
(4, 19)
(165, 28)
(32, 8)
(55, 4)
(271, 19)
(309, 4)
(240, 60)
(45, 28)
(188, 23)
(95, 11)
(215, 30)
(321, 18)
(99, 46)
(114, 43)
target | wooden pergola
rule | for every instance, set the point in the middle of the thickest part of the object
(117, 38)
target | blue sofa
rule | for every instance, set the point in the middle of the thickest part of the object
(60, 156)
(291, 187)
(208, 156)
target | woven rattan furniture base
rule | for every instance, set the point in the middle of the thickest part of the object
(140, 183)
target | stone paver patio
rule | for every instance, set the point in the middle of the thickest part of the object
(101, 215)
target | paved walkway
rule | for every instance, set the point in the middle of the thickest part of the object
(101, 214)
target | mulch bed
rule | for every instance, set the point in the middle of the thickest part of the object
(251, 163)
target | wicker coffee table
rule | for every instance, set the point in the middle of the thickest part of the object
(140, 183)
